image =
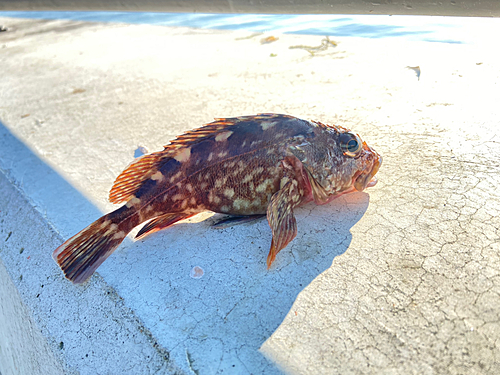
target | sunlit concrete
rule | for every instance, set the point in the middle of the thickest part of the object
(401, 279)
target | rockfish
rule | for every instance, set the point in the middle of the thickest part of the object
(246, 166)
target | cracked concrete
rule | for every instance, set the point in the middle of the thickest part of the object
(403, 279)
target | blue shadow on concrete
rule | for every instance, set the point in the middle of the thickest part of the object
(332, 25)
(58, 201)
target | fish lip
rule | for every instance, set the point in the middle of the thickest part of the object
(366, 178)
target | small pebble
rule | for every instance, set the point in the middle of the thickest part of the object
(197, 272)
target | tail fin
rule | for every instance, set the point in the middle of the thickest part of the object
(80, 255)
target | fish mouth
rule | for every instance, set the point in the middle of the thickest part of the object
(366, 178)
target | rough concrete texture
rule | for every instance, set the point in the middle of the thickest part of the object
(23, 349)
(47, 327)
(402, 279)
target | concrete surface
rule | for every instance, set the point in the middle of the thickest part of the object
(467, 8)
(403, 279)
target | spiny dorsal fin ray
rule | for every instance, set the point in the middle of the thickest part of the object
(326, 126)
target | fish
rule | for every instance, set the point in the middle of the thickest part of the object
(248, 166)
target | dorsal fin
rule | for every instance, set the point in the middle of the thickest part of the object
(213, 129)
(130, 180)
(198, 135)
(327, 126)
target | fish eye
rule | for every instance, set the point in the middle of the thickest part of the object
(350, 144)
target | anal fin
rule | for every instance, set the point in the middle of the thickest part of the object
(161, 222)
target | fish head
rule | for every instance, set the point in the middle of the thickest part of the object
(337, 161)
(369, 164)
(361, 161)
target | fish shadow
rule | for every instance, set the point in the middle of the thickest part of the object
(224, 317)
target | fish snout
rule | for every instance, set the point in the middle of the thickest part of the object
(367, 177)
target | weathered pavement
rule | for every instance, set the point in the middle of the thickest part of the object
(403, 279)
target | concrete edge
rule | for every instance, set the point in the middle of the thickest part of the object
(36, 340)
(467, 8)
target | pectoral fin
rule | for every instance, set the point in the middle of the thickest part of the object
(319, 193)
(281, 219)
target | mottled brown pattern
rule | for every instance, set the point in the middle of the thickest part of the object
(249, 165)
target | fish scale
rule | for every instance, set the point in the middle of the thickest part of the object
(249, 165)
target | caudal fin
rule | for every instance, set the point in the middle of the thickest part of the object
(80, 256)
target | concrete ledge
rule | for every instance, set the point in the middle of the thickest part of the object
(402, 279)
(23, 348)
(47, 327)
(467, 8)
